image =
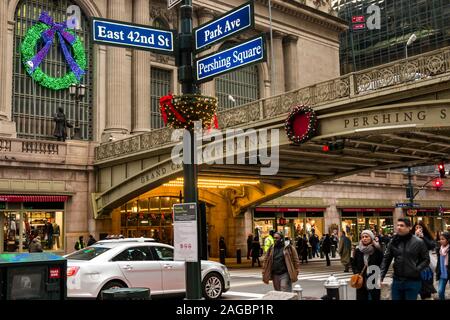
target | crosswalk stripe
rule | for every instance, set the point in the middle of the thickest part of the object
(243, 294)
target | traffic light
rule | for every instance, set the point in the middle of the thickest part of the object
(334, 145)
(409, 191)
(438, 184)
(441, 168)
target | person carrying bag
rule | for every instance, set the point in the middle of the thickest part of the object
(367, 253)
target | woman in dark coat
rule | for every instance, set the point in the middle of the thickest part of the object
(256, 251)
(421, 231)
(369, 253)
(326, 248)
(302, 248)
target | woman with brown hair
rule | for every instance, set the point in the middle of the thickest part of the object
(420, 230)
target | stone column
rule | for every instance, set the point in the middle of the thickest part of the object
(7, 127)
(141, 74)
(398, 213)
(291, 62)
(204, 16)
(331, 216)
(278, 74)
(118, 115)
(3, 35)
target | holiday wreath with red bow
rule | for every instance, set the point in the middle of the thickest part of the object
(301, 124)
(180, 112)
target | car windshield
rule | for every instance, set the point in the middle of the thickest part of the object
(88, 253)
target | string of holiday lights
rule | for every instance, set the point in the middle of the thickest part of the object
(180, 112)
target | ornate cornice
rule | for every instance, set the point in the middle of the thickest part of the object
(307, 13)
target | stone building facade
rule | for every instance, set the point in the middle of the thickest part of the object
(43, 180)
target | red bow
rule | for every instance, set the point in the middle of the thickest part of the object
(167, 101)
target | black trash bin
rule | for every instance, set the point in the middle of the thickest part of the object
(126, 294)
(238, 256)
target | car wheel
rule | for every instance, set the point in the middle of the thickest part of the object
(111, 285)
(212, 286)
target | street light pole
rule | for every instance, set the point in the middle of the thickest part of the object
(185, 77)
(77, 91)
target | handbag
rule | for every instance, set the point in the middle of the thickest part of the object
(357, 280)
(426, 274)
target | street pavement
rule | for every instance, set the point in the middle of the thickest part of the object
(246, 283)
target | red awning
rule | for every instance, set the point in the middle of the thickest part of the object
(268, 209)
(367, 209)
(32, 198)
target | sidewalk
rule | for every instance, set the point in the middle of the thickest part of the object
(231, 263)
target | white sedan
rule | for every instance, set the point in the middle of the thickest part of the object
(137, 263)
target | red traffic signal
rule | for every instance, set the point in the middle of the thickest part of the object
(438, 184)
(441, 168)
(325, 148)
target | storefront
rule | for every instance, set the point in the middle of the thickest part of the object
(293, 222)
(148, 217)
(433, 218)
(355, 220)
(24, 217)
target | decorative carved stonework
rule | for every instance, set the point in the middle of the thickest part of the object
(160, 12)
(162, 58)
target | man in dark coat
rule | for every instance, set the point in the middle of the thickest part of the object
(60, 131)
(410, 257)
(326, 248)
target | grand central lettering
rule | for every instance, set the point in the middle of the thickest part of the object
(389, 118)
(159, 172)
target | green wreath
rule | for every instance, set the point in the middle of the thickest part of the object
(28, 50)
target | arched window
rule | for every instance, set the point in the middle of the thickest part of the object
(242, 85)
(33, 104)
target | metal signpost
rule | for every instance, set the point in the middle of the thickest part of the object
(117, 33)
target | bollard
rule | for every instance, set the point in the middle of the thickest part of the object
(222, 256)
(332, 286)
(333, 251)
(299, 291)
(343, 284)
(238, 256)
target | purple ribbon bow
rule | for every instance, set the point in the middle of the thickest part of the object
(48, 36)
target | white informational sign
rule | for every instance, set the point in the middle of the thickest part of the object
(172, 3)
(185, 232)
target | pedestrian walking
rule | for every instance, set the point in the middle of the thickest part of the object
(345, 251)
(422, 232)
(223, 246)
(91, 240)
(80, 244)
(255, 251)
(442, 266)
(35, 245)
(326, 248)
(314, 241)
(281, 264)
(367, 253)
(302, 249)
(410, 257)
(268, 242)
(249, 245)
